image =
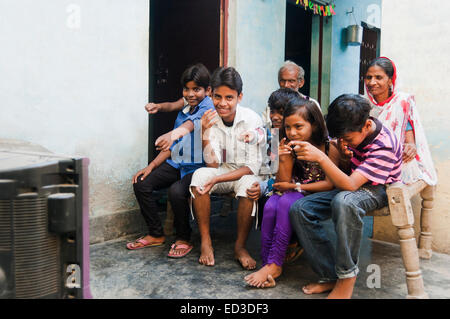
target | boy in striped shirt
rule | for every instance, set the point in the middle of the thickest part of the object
(376, 162)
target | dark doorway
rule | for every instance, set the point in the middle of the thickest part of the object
(181, 33)
(298, 39)
(369, 51)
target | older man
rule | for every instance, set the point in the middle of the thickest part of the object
(292, 76)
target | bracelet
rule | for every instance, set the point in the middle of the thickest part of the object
(298, 187)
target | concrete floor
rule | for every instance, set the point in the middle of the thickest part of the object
(147, 273)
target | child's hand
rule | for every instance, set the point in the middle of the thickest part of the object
(346, 154)
(208, 119)
(144, 172)
(254, 136)
(152, 108)
(247, 137)
(283, 148)
(202, 190)
(284, 186)
(306, 152)
(164, 142)
(254, 192)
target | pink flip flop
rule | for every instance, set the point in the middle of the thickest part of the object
(145, 243)
(179, 246)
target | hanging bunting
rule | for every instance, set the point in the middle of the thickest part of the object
(332, 10)
(321, 10)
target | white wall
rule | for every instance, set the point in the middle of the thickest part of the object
(74, 78)
(256, 39)
(416, 36)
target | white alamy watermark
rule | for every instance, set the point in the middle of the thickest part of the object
(374, 15)
(74, 278)
(374, 279)
(73, 20)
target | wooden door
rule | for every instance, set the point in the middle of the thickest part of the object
(181, 33)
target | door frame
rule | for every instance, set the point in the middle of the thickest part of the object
(321, 55)
(224, 11)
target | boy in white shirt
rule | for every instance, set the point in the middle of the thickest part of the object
(232, 164)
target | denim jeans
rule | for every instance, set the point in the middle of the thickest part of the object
(346, 209)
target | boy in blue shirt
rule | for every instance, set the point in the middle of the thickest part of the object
(169, 169)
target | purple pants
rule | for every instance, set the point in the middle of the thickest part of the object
(276, 228)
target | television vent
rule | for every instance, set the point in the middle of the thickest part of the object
(5, 225)
(37, 256)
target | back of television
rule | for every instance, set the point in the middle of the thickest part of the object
(44, 223)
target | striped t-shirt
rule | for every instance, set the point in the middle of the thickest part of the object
(379, 156)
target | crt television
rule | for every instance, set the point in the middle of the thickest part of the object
(44, 223)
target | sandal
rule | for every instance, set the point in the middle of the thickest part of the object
(174, 247)
(143, 242)
(293, 253)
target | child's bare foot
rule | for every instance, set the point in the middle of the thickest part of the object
(207, 254)
(343, 289)
(260, 278)
(257, 278)
(318, 288)
(241, 254)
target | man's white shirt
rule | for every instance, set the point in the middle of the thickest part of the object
(230, 149)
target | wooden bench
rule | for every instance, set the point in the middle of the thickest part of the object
(402, 216)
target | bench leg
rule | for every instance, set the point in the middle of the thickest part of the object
(410, 256)
(403, 218)
(425, 237)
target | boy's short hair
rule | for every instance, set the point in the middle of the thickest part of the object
(347, 113)
(280, 98)
(197, 73)
(228, 77)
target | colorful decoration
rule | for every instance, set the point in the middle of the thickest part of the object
(325, 11)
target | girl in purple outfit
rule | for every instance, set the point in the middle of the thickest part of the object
(295, 179)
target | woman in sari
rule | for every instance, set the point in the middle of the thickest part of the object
(397, 111)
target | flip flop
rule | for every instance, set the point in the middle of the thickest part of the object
(145, 243)
(293, 253)
(174, 246)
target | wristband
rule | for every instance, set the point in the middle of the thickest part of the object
(298, 187)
